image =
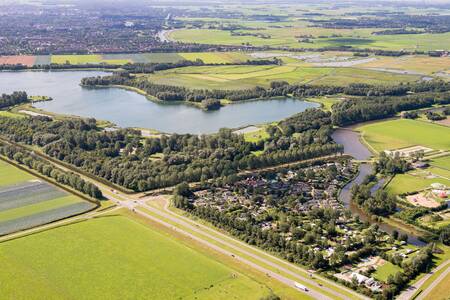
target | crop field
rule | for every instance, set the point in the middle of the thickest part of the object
(27, 202)
(85, 59)
(118, 258)
(394, 134)
(419, 63)
(216, 57)
(27, 60)
(358, 38)
(241, 77)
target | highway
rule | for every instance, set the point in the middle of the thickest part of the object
(411, 290)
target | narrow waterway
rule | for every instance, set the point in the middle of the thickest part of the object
(353, 146)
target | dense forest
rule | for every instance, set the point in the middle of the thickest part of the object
(123, 157)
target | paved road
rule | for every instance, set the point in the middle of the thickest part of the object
(411, 290)
(130, 202)
(264, 254)
(441, 277)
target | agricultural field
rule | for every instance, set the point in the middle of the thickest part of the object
(416, 64)
(321, 37)
(26, 201)
(242, 77)
(395, 134)
(116, 257)
(85, 59)
(216, 57)
(27, 60)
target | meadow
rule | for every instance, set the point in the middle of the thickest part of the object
(26, 201)
(118, 258)
(407, 183)
(242, 77)
(321, 37)
(412, 63)
(394, 134)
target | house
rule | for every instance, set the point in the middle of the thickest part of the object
(359, 277)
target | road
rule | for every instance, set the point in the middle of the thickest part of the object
(441, 277)
(212, 238)
(411, 290)
(200, 233)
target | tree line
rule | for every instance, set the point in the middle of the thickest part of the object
(47, 169)
(13, 99)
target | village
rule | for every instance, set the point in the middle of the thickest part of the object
(302, 206)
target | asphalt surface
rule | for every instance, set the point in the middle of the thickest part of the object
(411, 290)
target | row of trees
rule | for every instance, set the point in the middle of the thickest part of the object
(13, 99)
(47, 169)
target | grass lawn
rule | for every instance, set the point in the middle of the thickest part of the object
(256, 136)
(383, 272)
(440, 292)
(441, 162)
(326, 102)
(396, 134)
(11, 175)
(118, 258)
(403, 183)
(9, 114)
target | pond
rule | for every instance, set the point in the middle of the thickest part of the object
(129, 109)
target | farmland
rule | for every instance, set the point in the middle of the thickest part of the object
(394, 134)
(419, 63)
(26, 201)
(241, 77)
(120, 59)
(156, 265)
(358, 38)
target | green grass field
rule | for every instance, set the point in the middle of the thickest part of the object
(358, 38)
(85, 59)
(115, 257)
(216, 57)
(405, 183)
(327, 102)
(241, 77)
(441, 162)
(383, 272)
(402, 133)
(10, 175)
(256, 136)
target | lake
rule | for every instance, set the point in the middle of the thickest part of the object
(130, 109)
